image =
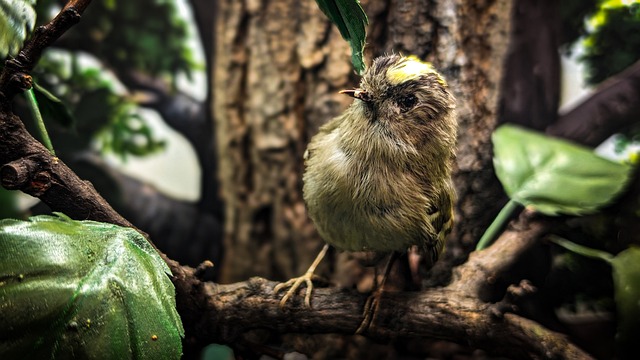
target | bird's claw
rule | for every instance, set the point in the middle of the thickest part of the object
(294, 284)
(370, 309)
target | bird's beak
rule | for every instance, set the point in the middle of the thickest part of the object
(357, 94)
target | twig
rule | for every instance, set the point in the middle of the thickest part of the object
(19, 67)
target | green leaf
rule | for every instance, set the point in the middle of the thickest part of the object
(554, 176)
(52, 108)
(626, 280)
(352, 21)
(17, 19)
(83, 289)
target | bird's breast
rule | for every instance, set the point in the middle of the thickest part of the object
(361, 205)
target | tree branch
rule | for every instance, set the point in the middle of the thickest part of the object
(28, 166)
(453, 312)
(614, 106)
(19, 67)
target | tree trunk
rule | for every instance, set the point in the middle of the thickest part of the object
(278, 66)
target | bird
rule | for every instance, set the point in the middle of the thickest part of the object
(377, 177)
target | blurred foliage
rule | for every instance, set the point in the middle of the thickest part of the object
(627, 144)
(142, 35)
(17, 19)
(573, 14)
(97, 107)
(148, 36)
(613, 44)
(626, 279)
(610, 30)
(128, 133)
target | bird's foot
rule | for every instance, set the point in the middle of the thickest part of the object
(293, 285)
(370, 310)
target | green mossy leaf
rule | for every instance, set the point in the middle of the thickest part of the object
(83, 289)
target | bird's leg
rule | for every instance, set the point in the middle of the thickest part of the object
(295, 283)
(371, 306)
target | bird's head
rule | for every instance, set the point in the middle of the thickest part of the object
(406, 101)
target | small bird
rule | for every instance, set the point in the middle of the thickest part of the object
(378, 177)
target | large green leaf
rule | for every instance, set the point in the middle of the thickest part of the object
(352, 21)
(17, 18)
(83, 289)
(554, 176)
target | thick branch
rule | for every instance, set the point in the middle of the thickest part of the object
(436, 313)
(454, 312)
(485, 268)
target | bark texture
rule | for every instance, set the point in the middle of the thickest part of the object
(278, 67)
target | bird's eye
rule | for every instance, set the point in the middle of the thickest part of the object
(407, 102)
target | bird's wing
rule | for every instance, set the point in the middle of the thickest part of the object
(441, 217)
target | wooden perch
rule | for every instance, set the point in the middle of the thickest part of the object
(454, 312)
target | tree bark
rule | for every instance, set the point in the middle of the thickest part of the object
(278, 67)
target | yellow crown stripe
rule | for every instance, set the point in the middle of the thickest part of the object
(410, 68)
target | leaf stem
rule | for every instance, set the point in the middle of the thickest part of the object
(581, 249)
(35, 111)
(496, 226)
